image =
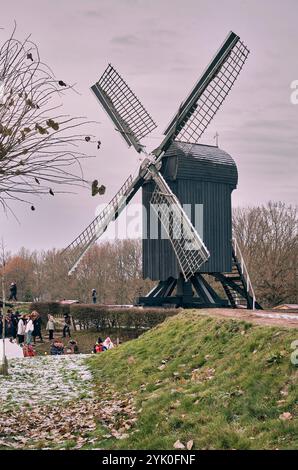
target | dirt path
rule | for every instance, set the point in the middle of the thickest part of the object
(260, 317)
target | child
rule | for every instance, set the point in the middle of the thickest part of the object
(57, 348)
(72, 347)
(99, 347)
(50, 326)
(28, 350)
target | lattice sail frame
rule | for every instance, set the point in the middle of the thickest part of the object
(214, 95)
(124, 108)
(198, 109)
(188, 246)
(77, 249)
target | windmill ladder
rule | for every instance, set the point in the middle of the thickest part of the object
(248, 285)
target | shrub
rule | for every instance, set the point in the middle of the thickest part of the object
(102, 317)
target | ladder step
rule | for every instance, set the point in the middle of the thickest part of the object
(242, 278)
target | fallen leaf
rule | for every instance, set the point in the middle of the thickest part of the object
(286, 416)
(189, 445)
(178, 445)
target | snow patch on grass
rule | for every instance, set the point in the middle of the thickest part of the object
(45, 379)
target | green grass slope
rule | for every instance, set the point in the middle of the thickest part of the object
(224, 384)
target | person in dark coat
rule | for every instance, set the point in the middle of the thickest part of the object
(13, 291)
(66, 327)
(14, 320)
(37, 327)
(9, 327)
(94, 296)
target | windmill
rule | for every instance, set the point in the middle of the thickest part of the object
(183, 284)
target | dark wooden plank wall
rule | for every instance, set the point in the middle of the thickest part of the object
(194, 180)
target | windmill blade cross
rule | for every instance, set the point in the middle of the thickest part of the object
(134, 123)
(189, 248)
(199, 108)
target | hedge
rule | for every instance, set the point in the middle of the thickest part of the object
(54, 308)
(103, 317)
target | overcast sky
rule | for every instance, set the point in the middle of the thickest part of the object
(161, 47)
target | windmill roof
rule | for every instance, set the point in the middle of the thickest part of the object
(201, 162)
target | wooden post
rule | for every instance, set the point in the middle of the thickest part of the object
(4, 362)
(73, 323)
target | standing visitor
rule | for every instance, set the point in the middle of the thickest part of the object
(13, 291)
(21, 329)
(14, 319)
(94, 296)
(29, 330)
(66, 327)
(50, 326)
(8, 331)
(37, 327)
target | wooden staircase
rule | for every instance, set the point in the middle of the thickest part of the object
(237, 284)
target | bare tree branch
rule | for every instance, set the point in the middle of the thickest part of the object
(39, 146)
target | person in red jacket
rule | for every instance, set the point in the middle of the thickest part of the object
(99, 347)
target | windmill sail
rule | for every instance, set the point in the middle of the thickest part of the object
(78, 248)
(189, 248)
(124, 108)
(199, 108)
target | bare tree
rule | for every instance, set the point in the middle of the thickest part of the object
(268, 238)
(38, 143)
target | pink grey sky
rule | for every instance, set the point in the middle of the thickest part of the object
(161, 47)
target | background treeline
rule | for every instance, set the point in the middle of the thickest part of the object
(113, 269)
(267, 235)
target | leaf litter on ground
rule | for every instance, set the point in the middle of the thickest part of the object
(50, 401)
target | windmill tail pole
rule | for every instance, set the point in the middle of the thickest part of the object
(3, 359)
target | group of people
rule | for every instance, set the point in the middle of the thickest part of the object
(23, 329)
(20, 327)
(101, 346)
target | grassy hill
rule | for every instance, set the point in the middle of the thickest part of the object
(222, 383)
